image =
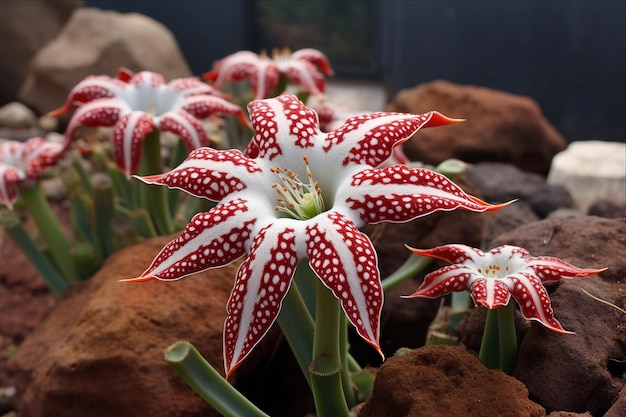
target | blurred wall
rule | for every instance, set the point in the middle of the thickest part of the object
(568, 55)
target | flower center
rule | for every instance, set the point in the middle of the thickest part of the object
(494, 271)
(300, 200)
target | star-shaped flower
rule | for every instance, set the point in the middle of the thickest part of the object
(305, 67)
(22, 162)
(495, 276)
(300, 193)
(136, 104)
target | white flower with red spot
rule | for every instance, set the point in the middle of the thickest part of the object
(305, 67)
(136, 104)
(22, 163)
(299, 193)
(495, 276)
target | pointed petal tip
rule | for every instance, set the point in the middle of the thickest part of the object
(377, 347)
(421, 252)
(61, 110)
(416, 294)
(210, 75)
(557, 328)
(244, 120)
(440, 119)
(586, 272)
(149, 179)
(138, 279)
(492, 207)
(228, 370)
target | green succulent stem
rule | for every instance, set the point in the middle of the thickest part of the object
(325, 369)
(154, 198)
(57, 243)
(189, 364)
(346, 380)
(498, 349)
(15, 230)
(298, 327)
(411, 267)
(507, 337)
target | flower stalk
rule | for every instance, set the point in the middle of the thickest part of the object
(498, 349)
(189, 364)
(155, 199)
(15, 230)
(326, 375)
(57, 243)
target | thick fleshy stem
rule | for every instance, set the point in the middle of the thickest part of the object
(298, 327)
(296, 322)
(411, 267)
(57, 244)
(489, 353)
(326, 379)
(346, 379)
(155, 199)
(189, 364)
(498, 349)
(507, 337)
(48, 272)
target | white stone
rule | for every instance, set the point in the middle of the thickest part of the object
(16, 115)
(591, 171)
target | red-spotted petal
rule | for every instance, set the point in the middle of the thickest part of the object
(234, 67)
(92, 88)
(212, 239)
(183, 124)
(370, 138)
(454, 253)
(102, 112)
(490, 292)
(445, 280)
(38, 154)
(534, 301)
(548, 268)
(209, 173)
(194, 86)
(202, 106)
(345, 261)
(147, 80)
(262, 281)
(128, 135)
(315, 57)
(398, 193)
(282, 122)
(9, 177)
(306, 74)
(264, 78)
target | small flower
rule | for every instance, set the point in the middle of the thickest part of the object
(23, 162)
(305, 67)
(299, 193)
(495, 276)
(138, 103)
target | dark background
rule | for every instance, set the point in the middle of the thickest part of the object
(567, 55)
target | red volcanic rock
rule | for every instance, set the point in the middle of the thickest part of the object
(499, 127)
(443, 381)
(100, 351)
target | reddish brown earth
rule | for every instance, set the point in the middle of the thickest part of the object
(96, 319)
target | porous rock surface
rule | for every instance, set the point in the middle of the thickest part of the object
(100, 351)
(499, 126)
(443, 381)
(499, 182)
